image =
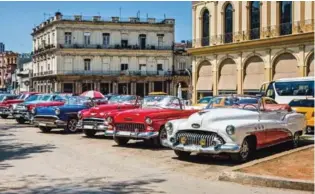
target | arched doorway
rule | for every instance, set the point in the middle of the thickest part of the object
(310, 66)
(253, 75)
(204, 80)
(285, 66)
(227, 77)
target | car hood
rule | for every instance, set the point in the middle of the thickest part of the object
(210, 118)
(141, 114)
(50, 110)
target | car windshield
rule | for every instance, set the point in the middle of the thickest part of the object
(302, 103)
(204, 100)
(46, 97)
(161, 102)
(123, 99)
(22, 96)
(247, 101)
(2, 97)
(78, 100)
(32, 98)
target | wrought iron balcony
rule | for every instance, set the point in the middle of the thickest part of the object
(256, 33)
(116, 46)
(104, 73)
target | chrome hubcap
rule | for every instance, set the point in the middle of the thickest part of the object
(72, 125)
(163, 135)
(244, 150)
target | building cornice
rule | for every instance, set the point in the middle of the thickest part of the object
(277, 41)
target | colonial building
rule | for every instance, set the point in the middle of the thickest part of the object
(237, 46)
(8, 61)
(112, 55)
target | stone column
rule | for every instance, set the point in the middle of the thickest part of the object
(59, 86)
(167, 87)
(301, 63)
(239, 74)
(268, 66)
(171, 88)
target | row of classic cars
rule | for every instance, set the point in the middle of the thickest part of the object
(233, 125)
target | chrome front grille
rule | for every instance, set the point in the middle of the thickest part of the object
(200, 138)
(45, 119)
(129, 127)
(92, 121)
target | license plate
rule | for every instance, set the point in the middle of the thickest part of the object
(17, 116)
(88, 127)
(125, 133)
(42, 124)
(1, 112)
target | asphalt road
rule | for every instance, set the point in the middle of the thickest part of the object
(33, 162)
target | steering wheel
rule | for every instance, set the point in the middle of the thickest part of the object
(250, 105)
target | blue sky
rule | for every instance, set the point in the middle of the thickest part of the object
(18, 18)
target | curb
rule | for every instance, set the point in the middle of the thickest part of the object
(268, 181)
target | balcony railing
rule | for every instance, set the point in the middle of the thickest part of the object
(116, 46)
(257, 33)
(108, 73)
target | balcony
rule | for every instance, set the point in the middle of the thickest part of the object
(44, 48)
(105, 73)
(285, 29)
(116, 46)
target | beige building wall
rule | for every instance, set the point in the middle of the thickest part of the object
(263, 56)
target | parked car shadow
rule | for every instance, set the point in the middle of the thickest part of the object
(98, 136)
(10, 149)
(29, 184)
(58, 132)
(142, 145)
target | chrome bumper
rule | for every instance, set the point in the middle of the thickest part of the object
(136, 135)
(22, 114)
(5, 111)
(224, 148)
(53, 123)
(95, 127)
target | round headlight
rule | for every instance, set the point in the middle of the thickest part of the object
(230, 130)
(102, 114)
(148, 121)
(169, 127)
(33, 111)
(57, 111)
(79, 115)
(109, 119)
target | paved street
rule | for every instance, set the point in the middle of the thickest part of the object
(33, 162)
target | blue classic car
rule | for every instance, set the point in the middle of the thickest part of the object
(65, 116)
(25, 111)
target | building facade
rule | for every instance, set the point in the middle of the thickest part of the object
(237, 46)
(114, 55)
(2, 47)
(23, 75)
(8, 63)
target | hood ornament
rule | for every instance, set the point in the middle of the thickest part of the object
(195, 125)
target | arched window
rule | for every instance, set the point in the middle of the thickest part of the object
(254, 19)
(205, 28)
(285, 17)
(228, 23)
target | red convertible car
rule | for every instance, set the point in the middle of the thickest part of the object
(93, 120)
(148, 122)
(6, 101)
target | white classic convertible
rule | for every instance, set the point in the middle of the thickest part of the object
(238, 132)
